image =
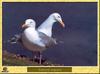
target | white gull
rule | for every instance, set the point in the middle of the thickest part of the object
(37, 40)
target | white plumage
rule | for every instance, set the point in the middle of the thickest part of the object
(39, 39)
(46, 26)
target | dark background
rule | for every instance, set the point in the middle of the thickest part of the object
(79, 47)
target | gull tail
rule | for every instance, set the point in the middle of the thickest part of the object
(58, 41)
(15, 39)
(61, 42)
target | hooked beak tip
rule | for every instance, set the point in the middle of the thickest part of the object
(62, 24)
(24, 26)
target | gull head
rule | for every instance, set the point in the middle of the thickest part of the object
(57, 18)
(29, 23)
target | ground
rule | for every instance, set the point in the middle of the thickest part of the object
(11, 59)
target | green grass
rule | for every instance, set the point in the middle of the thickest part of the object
(10, 59)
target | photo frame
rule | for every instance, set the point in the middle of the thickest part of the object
(60, 69)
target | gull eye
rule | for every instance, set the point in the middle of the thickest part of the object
(31, 22)
(58, 16)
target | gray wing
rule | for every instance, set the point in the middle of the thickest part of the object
(16, 39)
(48, 41)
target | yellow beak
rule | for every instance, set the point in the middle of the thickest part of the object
(62, 24)
(24, 26)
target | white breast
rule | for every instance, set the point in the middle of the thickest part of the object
(46, 31)
(31, 40)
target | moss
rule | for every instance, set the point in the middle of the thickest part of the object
(10, 59)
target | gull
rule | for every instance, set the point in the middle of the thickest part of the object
(38, 40)
(46, 26)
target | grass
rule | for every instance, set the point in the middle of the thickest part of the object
(10, 59)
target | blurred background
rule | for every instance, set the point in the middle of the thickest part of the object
(79, 37)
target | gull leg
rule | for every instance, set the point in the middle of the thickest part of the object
(40, 58)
